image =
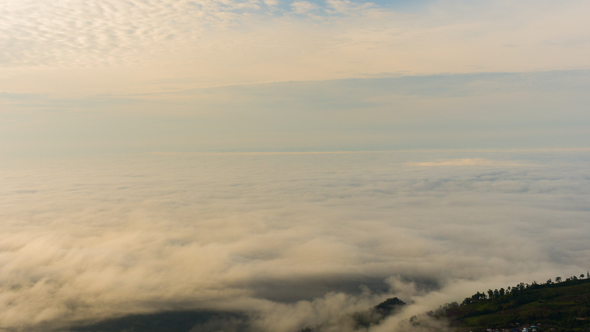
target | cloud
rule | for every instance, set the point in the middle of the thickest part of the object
(281, 235)
(77, 47)
(466, 162)
(301, 7)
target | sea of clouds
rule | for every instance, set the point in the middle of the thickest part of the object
(291, 240)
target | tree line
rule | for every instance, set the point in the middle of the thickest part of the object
(514, 290)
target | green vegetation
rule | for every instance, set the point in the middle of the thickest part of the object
(560, 305)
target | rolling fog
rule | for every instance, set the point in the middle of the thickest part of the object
(289, 240)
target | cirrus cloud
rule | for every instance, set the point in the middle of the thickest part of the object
(105, 46)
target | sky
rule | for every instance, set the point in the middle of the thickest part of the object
(92, 77)
(291, 161)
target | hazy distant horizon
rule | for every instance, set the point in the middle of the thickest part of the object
(533, 110)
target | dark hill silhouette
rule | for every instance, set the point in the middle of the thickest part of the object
(561, 306)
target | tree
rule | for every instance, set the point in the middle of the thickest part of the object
(582, 276)
(490, 294)
(557, 279)
(478, 296)
(502, 292)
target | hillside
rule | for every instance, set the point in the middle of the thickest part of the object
(562, 305)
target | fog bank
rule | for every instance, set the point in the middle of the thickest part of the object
(291, 240)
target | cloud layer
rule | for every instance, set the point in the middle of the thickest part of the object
(76, 47)
(282, 235)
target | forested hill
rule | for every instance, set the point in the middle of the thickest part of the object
(558, 305)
